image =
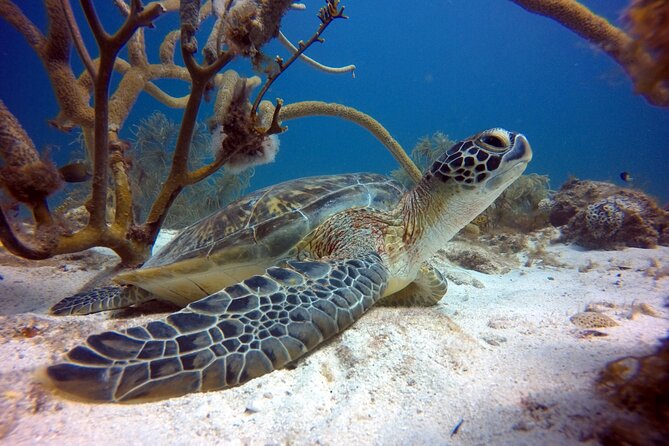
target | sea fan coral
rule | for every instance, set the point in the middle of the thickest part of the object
(423, 154)
(153, 146)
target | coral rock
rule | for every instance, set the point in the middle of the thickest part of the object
(641, 386)
(599, 215)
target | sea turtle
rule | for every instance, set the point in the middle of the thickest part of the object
(308, 258)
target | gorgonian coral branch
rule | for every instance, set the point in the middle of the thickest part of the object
(327, 14)
(313, 63)
(318, 108)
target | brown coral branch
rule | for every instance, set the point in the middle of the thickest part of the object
(100, 124)
(612, 40)
(77, 39)
(109, 48)
(168, 46)
(25, 176)
(53, 51)
(28, 179)
(15, 17)
(203, 172)
(317, 108)
(178, 177)
(136, 49)
(146, 74)
(123, 217)
(648, 22)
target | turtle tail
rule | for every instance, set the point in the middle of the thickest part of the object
(100, 299)
(227, 338)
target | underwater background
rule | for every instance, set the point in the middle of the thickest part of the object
(455, 67)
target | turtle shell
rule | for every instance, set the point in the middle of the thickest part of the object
(255, 232)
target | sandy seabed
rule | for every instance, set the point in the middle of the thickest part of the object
(497, 361)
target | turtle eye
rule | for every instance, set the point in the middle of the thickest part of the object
(495, 140)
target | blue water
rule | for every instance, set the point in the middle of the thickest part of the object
(451, 66)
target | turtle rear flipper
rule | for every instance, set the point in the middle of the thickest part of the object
(426, 290)
(227, 338)
(100, 299)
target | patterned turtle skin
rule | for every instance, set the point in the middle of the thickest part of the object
(318, 286)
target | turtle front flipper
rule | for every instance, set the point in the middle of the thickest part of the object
(426, 290)
(100, 299)
(227, 338)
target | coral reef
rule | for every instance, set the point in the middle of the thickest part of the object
(248, 125)
(599, 215)
(246, 136)
(639, 385)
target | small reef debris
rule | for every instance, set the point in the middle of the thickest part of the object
(589, 266)
(645, 309)
(503, 322)
(494, 339)
(600, 307)
(586, 334)
(258, 404)
(463, 278)
(599, 215)
(476, 258)
(457, 427)
(28, 331)
(591, 320)
(656, 270)
(535, 415)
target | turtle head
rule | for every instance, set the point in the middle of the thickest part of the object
(465, 180)
(488, 162)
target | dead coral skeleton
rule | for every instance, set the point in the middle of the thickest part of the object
(246, 131)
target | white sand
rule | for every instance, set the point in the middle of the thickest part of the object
(503, 358)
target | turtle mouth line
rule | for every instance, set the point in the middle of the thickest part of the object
(510, 175)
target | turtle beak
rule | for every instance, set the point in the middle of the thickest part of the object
(521, 151)
(516, 159)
